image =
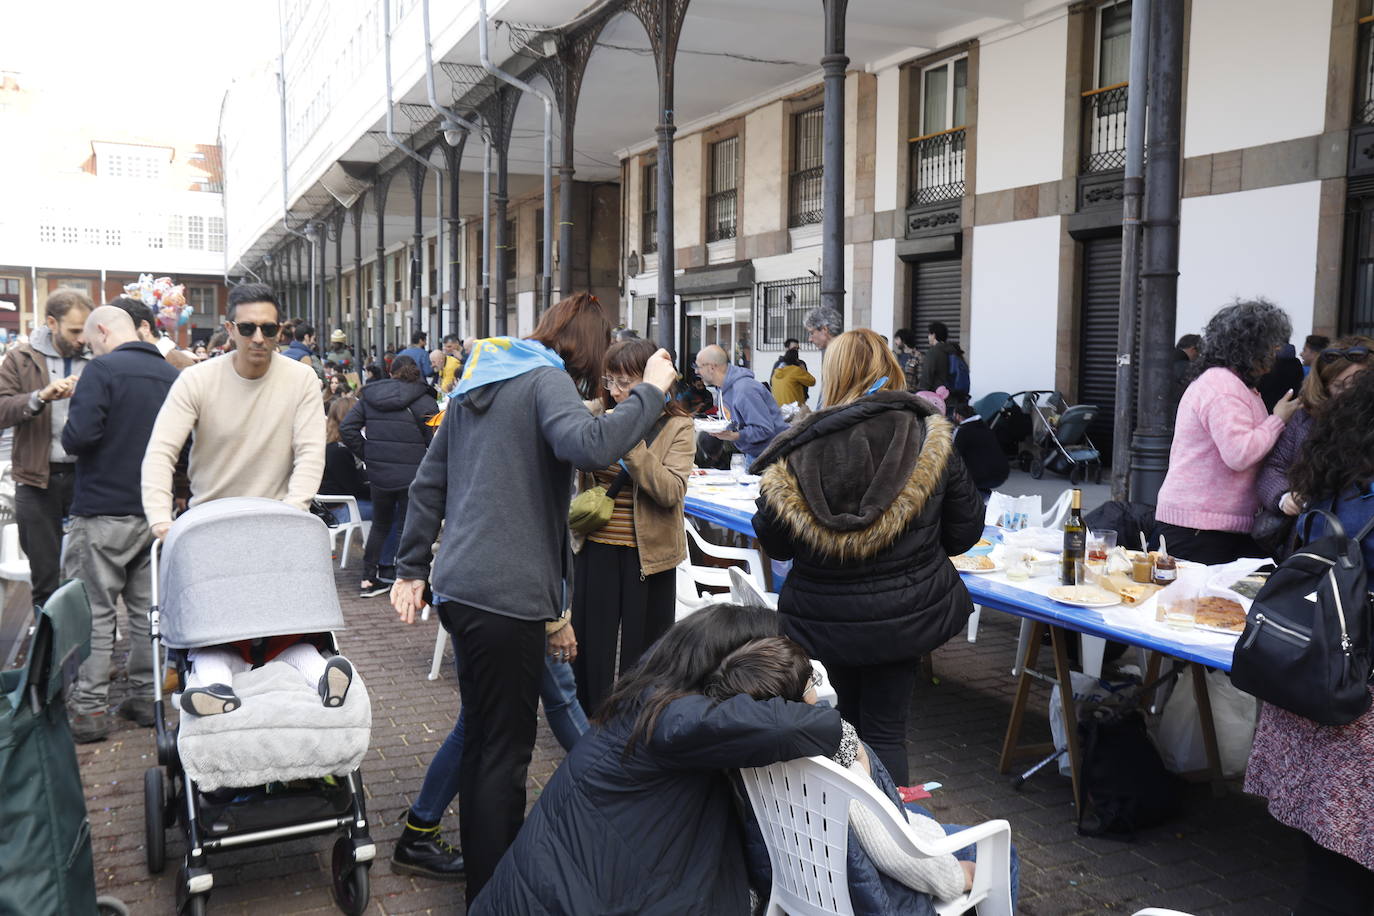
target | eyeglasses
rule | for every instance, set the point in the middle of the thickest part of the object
(248, 328)
(1353, 354)
(815, 680)
(624, 384)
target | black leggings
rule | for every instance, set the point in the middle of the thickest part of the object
(388, 508)
(610, 597)
(1335, 885)
(875, 699)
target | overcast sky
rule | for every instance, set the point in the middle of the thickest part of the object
(137, 59)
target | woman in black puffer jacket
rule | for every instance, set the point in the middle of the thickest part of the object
(869, 498)
(394, 412)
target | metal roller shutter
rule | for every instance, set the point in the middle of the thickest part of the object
(935, 297)
(1100, 320)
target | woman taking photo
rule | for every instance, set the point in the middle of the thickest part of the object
(1332, 374)
(869, 500)
(500, 470)
(1319, 779)
(1207, 502)
(393, 414)
(641, 816)
(624, 571)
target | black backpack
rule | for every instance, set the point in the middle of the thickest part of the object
(1124, 783)
(1306, 644)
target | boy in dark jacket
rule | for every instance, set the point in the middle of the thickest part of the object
(982, 454)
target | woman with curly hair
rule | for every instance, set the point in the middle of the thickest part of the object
(1320, 778)
(1207, 503)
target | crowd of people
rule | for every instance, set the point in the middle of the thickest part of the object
(591, 438)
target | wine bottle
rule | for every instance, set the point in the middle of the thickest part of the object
(1075, 541)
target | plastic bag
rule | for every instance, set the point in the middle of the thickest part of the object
(1179, 736)
(1086, 689)
(1012, 512)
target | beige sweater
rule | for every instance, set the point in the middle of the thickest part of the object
(249, 437)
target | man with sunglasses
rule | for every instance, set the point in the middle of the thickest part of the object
(255, 420)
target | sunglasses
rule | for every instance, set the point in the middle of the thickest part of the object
(624, 384)
(1353, 354)
(248, 328)
(815, 680)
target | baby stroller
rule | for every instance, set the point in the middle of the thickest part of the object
(244, 569)
(1006, 419)
(1059, 438)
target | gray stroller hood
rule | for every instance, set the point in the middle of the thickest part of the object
(245, 568)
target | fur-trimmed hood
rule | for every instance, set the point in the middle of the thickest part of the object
(849, 480)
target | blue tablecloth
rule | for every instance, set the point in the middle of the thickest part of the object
(1002, 597)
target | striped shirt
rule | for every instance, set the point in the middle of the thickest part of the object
(620, 530)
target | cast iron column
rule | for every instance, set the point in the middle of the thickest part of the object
(359, 311)
(453, 163)
(666, 303)
(565, 214)
(832, 181)
(379, 326)
(417, 190)
(501, 253)
(336, 224)
(1159, 274)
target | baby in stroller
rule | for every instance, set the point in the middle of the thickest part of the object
(213, 668)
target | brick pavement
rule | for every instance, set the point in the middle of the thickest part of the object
(1224, 857)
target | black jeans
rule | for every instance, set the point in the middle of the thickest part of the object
(609, 598)
(1335, 885)
(875, 699)
(388, 508)
(39, 512)
(1209, 547)
(500, 661)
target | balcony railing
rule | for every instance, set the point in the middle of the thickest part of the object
(649, 232)
(804, 207)
(1364, 102)
(722, 215)
(1104, 129)
(937, 167)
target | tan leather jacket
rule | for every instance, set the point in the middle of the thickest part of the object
(23, 371)
(658, 474)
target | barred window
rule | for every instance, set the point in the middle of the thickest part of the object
(722, 210)
(804, 190)
(784, 305)
(649, 221)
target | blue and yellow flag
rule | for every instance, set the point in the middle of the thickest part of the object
(496, 359)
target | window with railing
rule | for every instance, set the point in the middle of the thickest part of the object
(804, 207)
(783, 307)
(1364, 71)
(648, 223)
(722, 210)
(936, 157)
(1104, 106)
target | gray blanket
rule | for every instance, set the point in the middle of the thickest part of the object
(281, 732)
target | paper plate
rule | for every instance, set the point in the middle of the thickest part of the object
(1083, 596)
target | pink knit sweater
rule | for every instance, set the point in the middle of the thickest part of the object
(1222, 434)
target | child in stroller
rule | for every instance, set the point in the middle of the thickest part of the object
(213, 668)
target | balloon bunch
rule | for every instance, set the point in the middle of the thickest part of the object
(165, 298)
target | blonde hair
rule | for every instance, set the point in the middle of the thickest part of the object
(338, 409)
(853, 362)
(1316, 388)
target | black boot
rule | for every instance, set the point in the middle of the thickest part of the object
(422, 851)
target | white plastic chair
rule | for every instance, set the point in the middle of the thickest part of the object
(1059, 512)
(751, 558)
(802, 808)
(346, 527)
(440, 643)
(743, 590)
(689, 598)
(14, 565)
(1157, 911)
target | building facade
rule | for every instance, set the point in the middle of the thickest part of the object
(96, 207)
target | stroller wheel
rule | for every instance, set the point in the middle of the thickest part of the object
(194, 905)
(1077, 474)
(1037, 468)
(1025, 460)
(1097, 473)
(155, 819)
(352, 885)
(110, 906)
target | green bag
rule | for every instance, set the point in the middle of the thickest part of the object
(591, 509)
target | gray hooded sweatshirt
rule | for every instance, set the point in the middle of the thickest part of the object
(499, 473)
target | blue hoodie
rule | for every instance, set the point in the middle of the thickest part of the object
(752, 411)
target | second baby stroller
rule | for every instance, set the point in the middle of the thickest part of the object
(281, 765)
(1059, 439)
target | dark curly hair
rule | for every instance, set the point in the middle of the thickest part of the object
(1339, 452)
(1242, 337)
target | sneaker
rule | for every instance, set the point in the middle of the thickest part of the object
(371, 588)
(334, 683)
(138, 709)
(89, 728)
(422, 851)
(209, 701)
